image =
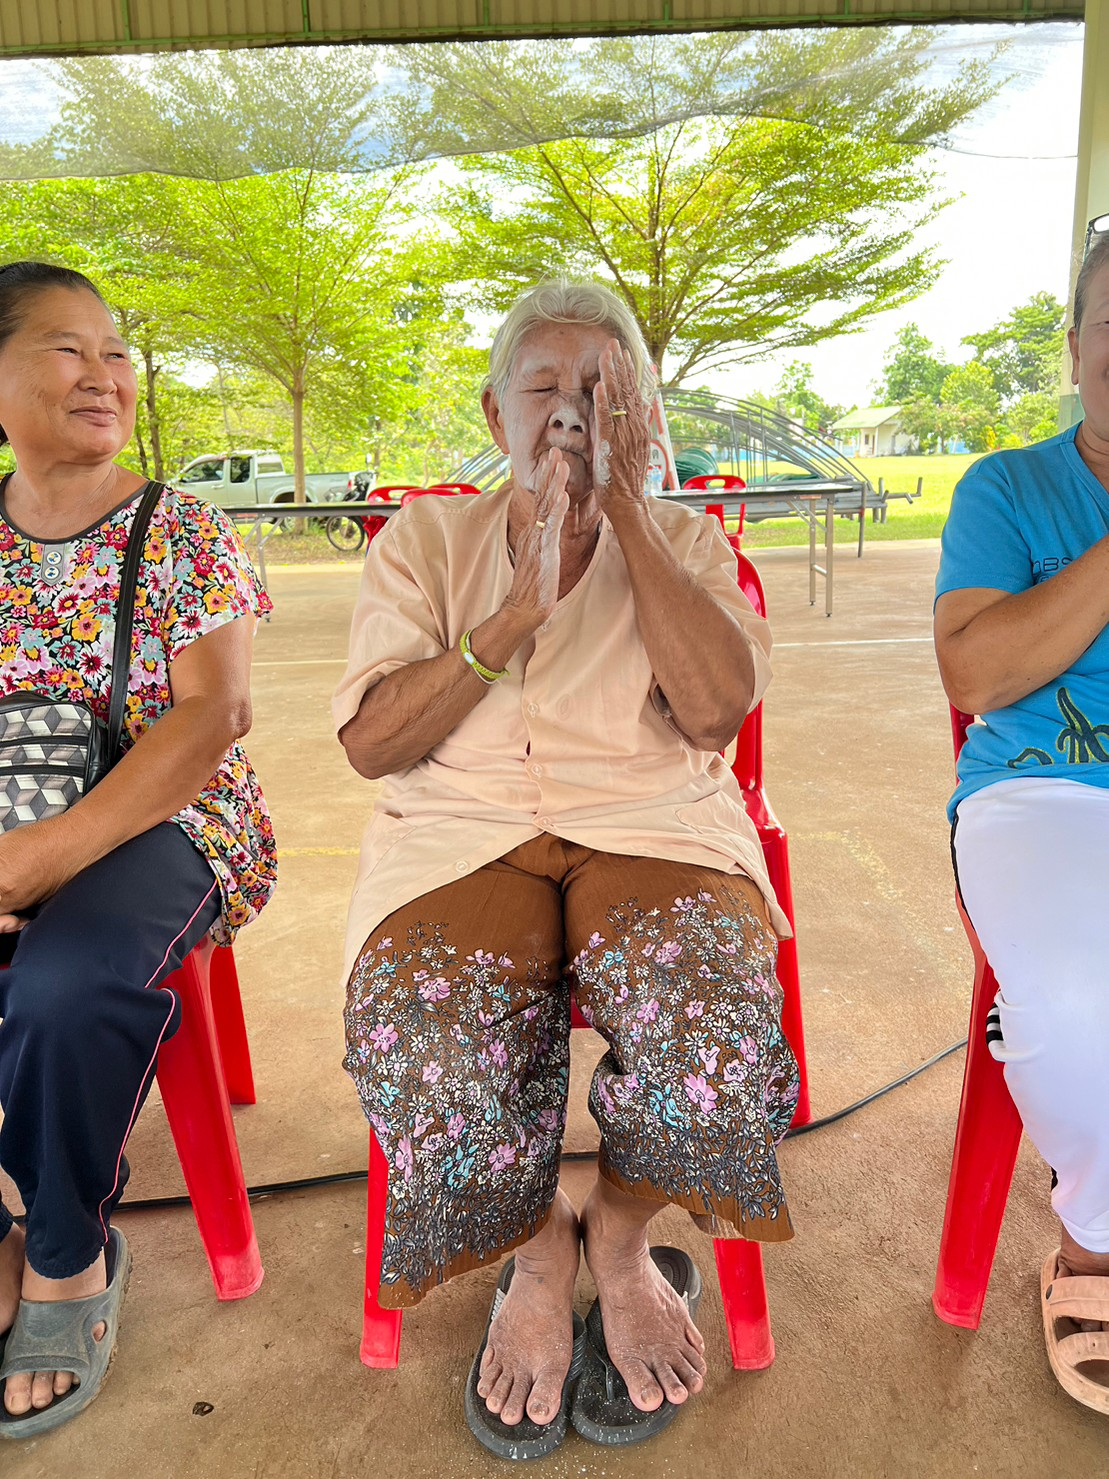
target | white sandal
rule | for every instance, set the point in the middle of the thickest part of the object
(1072, 1298)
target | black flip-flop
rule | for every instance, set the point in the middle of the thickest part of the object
(525, 1439)
(603, 1411)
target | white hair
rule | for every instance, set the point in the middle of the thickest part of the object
(568, 302)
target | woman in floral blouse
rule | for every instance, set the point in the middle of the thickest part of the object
(99, 904)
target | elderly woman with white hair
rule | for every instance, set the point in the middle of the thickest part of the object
(544, 676)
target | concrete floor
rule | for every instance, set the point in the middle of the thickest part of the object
(867, 1381)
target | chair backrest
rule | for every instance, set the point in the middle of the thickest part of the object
(747, 766)
(960, 723)
(722, 482)
(453, 488)
(391, 492)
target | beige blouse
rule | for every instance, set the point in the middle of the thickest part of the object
(576, 741)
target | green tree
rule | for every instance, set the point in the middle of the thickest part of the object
(728, 236)
(1024, 350)
(1033, 418)
(972, 404)
(300, 282)
(797, 398)
(190, 421)
(125, 235)
(290, 273)
(931, 424)
(912, 370)
(442, 421)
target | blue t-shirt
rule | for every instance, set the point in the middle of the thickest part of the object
(1016, 519)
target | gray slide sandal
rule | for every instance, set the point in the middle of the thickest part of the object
(58, 1337)
(603, 1412)
(526, 1439)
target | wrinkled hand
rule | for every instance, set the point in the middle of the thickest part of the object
(534, 589)
(621, 444)
(32, 867)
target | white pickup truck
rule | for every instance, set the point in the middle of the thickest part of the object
(232, 478)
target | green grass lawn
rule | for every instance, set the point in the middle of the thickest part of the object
(921, 519)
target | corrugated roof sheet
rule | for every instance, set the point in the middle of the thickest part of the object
(75, 26)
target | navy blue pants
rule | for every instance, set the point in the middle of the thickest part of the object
(83, 1019)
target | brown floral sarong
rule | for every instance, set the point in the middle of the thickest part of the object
(458, 1019)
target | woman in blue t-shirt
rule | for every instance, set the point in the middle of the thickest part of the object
(1022, 637)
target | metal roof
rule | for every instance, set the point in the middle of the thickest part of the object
(867, 416)
(70, 27)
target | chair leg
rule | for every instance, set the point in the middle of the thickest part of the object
(195, 1096)
(987, 1138)
(227, 1009)
(380, 1328)
(746, 1311)
(775, 846)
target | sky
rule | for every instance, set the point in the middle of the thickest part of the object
(1007, 236)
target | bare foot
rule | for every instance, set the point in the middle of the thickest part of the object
(651, 1339)
(11, 1276)
(23, 1392)
(531, 1340)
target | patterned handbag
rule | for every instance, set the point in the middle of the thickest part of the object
(53, 751)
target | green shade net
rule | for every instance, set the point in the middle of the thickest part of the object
(227, 114)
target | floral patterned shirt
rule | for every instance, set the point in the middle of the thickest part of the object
(57, 626)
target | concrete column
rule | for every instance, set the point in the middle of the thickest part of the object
(1091, 194)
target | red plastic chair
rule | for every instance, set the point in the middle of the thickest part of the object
(455, 488)
(748, 771)
(392, 492)
(372, 524)
(987, 1138)
(721, 482)
(738, 1260)
(202, 1071)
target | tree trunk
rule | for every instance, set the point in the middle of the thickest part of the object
(230, 440)
(300, 494)
(143, 463)
(152, 416)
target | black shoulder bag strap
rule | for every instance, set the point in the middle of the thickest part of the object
(125, 616)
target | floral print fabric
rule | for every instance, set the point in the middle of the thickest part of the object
(458, 1018)
(56, 638)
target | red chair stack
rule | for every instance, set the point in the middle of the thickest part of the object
(738, 1261)
(987, 1138)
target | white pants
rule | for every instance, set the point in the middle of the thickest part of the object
(1033, 860)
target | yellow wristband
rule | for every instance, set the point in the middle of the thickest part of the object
(487, 675)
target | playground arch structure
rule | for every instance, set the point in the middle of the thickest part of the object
(765, 449)
(69, 28)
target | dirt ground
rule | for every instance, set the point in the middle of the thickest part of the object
(867, 1381)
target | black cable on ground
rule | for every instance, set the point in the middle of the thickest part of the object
(839, 1114)
(336, 1178)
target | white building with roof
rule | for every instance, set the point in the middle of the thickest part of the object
(872, 431)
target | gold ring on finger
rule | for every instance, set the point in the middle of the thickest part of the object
(540, 523)
(618, 411)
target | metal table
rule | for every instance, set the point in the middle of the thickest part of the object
(814, 502)
(252, 517)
